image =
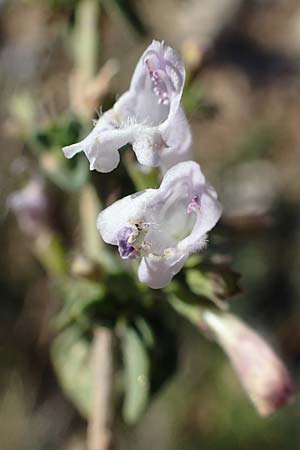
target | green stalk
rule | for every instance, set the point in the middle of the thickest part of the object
(86, 40)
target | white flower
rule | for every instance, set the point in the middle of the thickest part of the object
(163, 226)
(264, 377)
(148, 116)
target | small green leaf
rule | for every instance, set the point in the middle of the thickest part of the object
(200, 283)
(47, 144)
(70, 354)
(146, 332)
(214, 282)
(142, 177)
(56, 134)
(77, 295)
(69, 176)
(191, 312)
(136, 368)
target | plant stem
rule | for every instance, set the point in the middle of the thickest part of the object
(99, 434)
(86, 38)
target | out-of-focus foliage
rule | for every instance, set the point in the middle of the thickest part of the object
(243, 101)
(71, 359)
(136, 375)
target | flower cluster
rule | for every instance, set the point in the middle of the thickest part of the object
(163, 226)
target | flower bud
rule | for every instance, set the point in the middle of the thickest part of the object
(263, 375)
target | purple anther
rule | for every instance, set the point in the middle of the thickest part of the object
(125, 239)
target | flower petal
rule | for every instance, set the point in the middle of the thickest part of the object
(207, 216)
(160, 67)
(178, 138)
(124, 212)
(187, 172)
(148, 116)
(72, 150)
(102, 144)
(176, 72)
(157, 272)
(147, 145)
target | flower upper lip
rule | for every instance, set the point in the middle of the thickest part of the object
(163, 83)
(148, 116)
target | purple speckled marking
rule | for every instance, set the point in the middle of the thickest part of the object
(157, 68)
(194, 204)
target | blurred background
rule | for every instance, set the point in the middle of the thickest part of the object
(242, 99)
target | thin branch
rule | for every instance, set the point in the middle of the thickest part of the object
(99, 434)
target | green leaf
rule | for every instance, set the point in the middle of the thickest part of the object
(136, 368)
(77, 295)
(214, 282)
(146, 332)
(191, 312)
(200, 283)
(70, 354)
(142, 177)
(56, 134)
(69, 176)
(194, 260)
(47, 144)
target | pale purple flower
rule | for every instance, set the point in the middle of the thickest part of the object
(31, 206)
(163, 226)
(263, 375)
(148, 116)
